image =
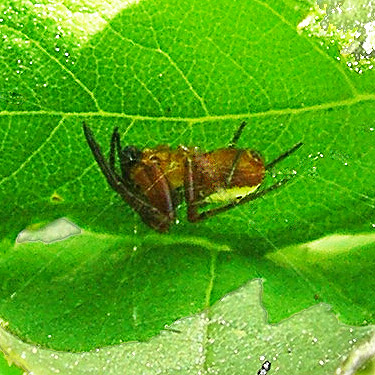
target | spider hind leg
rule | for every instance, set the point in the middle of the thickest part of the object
(194, 215)
(194, 202)
(284, 155)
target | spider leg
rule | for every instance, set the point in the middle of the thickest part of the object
(233, 168)
(194, 216)
(284, 155)
(116, 146)
(149, 213)
(155, 186)
(108, 172)
(233, 144)
(237, 135)
(190, 191)
(112, 177)
(124, 167)
(112, 153)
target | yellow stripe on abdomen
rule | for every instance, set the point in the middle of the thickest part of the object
(230, 195)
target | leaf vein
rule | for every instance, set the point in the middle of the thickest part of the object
(34, 153)
(171, 61)
(336, 65)
(240, 67)
(194, 120)
(63, 67)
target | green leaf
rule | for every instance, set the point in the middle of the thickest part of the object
(7, 369)
(232, 336)
(178, 72)
(116, 302)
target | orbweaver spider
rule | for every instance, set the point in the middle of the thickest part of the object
(151, 180)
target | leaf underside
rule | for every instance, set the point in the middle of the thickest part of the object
(178, 72)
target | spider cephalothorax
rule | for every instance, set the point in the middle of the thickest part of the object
(151, 180)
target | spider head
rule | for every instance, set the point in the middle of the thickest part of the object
(131, 155)
(256, 155)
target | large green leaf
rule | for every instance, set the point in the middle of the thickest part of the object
(121, 294)
(232, 337)
(177, 72)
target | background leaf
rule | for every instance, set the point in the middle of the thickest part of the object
(170, 73)
(231, 337)
(115, 302)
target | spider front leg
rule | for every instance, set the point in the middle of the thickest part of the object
(109, 172)
(154, 186)
(115, 141)
(149, 213)
(145, 178)
(124, 156)
(190, 190)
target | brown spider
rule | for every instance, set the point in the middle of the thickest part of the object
(151, 180)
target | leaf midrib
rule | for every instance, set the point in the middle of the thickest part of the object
(361, 98)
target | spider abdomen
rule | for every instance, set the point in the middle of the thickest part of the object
(227, 169)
